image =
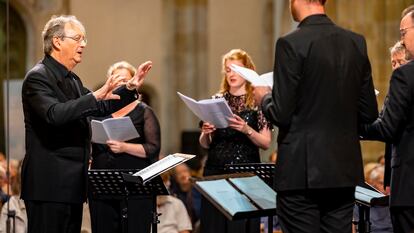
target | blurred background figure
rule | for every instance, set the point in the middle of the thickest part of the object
(398, 55)
(3, 186)
(182, 187)
(174, 217)
(368, 167)
(381, 159)
(14, 205)
(376, 178)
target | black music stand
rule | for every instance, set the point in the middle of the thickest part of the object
(366, 197)
(110, 184)
(265, 171)
(238, 196)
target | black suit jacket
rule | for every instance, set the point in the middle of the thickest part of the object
(57, 133)
(322, 89)
(396, 125)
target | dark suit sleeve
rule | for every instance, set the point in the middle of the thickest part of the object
(367, 103)
(387, 165)
(40, 95)
(106, 107)
(395, 110)
(279, 107)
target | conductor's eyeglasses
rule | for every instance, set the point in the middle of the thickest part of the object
(77, 38)
(403, 31)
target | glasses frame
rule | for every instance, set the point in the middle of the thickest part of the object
(77, 38)
(403, 31)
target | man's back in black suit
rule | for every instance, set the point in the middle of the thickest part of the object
(322, 89)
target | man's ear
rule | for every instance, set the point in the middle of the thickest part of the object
(56, 41)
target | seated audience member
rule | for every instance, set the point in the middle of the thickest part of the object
(399, 56)
(3, 186)
(380, 218)
(376, 178)
(183, 189)
(17, 205)
(381, 160)
(367, 170)
(13, 169)
(174, 217)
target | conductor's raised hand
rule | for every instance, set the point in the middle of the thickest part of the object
(139, 76)
(112, 82)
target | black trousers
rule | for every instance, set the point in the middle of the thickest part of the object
(316, 210)
(402, 219)
(106, 215)
(53, 217)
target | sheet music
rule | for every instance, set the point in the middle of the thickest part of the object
(265, 80)
(162, 165)
(214, 111)
(257, 190)
(227, 196)
(99, 134)
(120, 129)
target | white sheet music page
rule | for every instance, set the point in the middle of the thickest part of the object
(120, 129)
(99, 134)
(191, 104)
(217, 111)
(264, 80)
(214, 111)
(163, 165)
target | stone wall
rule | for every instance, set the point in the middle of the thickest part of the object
(186, 39)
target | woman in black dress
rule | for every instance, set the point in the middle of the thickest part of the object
(239, 143)
(137, 153)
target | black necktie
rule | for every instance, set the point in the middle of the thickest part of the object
(76, 86)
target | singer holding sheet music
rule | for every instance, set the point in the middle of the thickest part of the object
(56, 106)
(239, 143)
(135, 153)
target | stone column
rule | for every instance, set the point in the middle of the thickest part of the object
(185, 66)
